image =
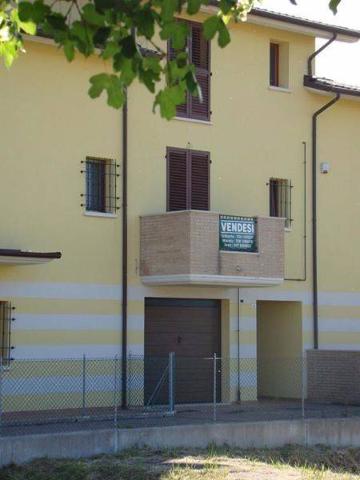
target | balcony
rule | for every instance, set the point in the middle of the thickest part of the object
(205, 248)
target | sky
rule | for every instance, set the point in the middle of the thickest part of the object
(340, 61)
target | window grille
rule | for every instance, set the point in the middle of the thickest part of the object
(5, 332)
(280, 199)
(100, 185)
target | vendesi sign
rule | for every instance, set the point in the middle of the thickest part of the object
(237, 234)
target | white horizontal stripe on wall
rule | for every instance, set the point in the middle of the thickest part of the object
(141, 291)
(60, 290)
(246, 324)
(333, 324)
(72, 351)
(342, 299)
(42, 321)
(339, 346)
(251, 295)
(136, 322)
(113, 292)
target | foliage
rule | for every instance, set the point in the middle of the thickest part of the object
(115, 30)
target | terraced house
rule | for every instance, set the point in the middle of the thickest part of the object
(230, 230)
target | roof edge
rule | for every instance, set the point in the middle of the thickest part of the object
(329, 86)
(344, 33)
(8, 252)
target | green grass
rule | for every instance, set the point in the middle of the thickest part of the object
(214, 463)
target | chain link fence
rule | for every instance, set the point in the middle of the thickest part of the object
(83, 393)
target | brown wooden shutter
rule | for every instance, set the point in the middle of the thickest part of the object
(274, 64)
(177, 179)
(181, 110)
(200, 180)
(200, 57)
(199, 54)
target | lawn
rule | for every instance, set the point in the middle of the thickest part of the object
(288, 463)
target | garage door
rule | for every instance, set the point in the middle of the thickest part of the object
(190, 329)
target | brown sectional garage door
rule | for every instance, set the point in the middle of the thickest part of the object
(190, 329)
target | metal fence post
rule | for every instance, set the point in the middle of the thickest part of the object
(1, 392)
(115, 391)
(84, 385)
(171, 383)
(214, 389)
(303, 385)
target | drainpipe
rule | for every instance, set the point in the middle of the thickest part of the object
(124, 252)
(316, 53)
(238, 344)
(314, 217)
(314, 191)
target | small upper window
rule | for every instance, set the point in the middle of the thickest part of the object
(274, 64)
(198, 49)
(5, 324)
(101, 175)
(279, 65)
(280, 199)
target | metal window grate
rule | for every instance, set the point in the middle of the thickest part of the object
(280, 199)
(100, 185)
(5, 332)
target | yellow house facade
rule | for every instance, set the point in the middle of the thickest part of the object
(233, 277)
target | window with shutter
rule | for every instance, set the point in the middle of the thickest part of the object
(199, 55)
(280, 199)
(199, 180)
(188, 179)
(5, 332)
(177, 179)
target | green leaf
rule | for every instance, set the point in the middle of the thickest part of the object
(146, 22)
(226, 5)
(168, 99)
(191, 82)
(9, 51)
(69, 50)
(333, 4)
(91, 16)
(99, 83)
(115, 92)
(39, 11)
(168, 8)
(56, 21)
(102, 5)
(193, 6)
(25, 11)
(128, 46)
(111, 49)
(177, 32)
(101, 35)
(210, 27)
(224, 35)
(79, 31)
(128, 72)
(27, 26)
(182, 59)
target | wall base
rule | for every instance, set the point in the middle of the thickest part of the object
(331, 432)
